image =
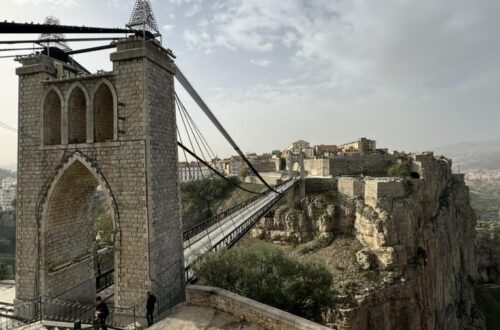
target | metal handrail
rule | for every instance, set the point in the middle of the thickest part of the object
(62, 310)
(198, 228)
(234, 236)
(105, 280)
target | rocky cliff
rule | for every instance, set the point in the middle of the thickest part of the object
(416, 246)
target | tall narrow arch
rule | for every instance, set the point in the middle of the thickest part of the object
(105, 112)
(77, 102)
(67, 231)
(51, 117)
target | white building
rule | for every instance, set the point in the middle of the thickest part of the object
(193, 171)
(8, 194)
(299, 146)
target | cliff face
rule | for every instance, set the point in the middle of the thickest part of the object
(416, 235)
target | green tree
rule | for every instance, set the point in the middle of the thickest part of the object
(262, 271)
(399, 169)
(244, 171)
(199, 198)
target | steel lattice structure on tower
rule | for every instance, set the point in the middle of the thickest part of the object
(143, 17)
(51, 20)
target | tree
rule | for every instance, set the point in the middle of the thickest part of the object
(244, 171)
(399, 169)
(261, 271)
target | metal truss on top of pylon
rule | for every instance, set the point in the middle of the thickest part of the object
(53, 39)
(143, 18)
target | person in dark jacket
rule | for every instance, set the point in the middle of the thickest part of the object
(101, 312)
(150, 307)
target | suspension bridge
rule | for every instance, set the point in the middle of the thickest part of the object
(105, 130)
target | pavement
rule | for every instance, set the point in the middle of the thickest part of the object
(7, 291)
(188, 317)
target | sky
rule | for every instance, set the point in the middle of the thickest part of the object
(412, 75)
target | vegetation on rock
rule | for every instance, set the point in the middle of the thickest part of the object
(399, 169)
(204, 199)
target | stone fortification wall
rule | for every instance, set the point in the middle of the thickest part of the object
(317, 167)
(373, 164)
(257, 313)
(371, 188)
(351, 187)
(271, 178)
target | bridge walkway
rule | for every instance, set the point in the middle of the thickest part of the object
(229, 230)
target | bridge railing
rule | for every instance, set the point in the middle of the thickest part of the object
(104, 280)
(234, 236)
(196, 229)
(61, 310)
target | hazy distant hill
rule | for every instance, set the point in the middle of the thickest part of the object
(473, 155)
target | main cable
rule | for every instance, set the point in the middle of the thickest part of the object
(196, 97)
(183, 147)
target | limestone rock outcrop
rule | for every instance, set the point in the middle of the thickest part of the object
(418, 234)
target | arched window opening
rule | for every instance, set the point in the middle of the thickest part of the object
(52, 119)
(103, 114)
(77, 117)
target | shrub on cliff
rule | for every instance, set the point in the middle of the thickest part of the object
(399, 169)
(262, 272)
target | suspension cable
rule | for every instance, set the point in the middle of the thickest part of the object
(196, 97)
(214, 170)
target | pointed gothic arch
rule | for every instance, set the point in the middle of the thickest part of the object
(67, 233)
(104, 121)
(51, 117)
(77, 104)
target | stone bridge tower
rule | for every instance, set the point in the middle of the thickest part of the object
(113, 130)
(291, 160)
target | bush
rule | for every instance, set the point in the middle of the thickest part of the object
(263, 272)
(399, 169)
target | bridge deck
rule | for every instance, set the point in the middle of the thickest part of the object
(217, 233)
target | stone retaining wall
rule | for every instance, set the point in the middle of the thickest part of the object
(263, 315)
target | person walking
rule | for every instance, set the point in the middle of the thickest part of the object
(150, 307)
(101, 313)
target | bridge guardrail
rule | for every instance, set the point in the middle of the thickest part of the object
(230, 239)
(56, 309)
(104, 280)
(196, 229)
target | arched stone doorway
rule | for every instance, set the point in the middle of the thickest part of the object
(69, 266)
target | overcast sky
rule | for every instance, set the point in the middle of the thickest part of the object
(410, 74)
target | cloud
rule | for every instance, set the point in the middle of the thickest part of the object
(263, 63)
(192, 10)
(54, 3)
(168, 27)
(363, 44)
